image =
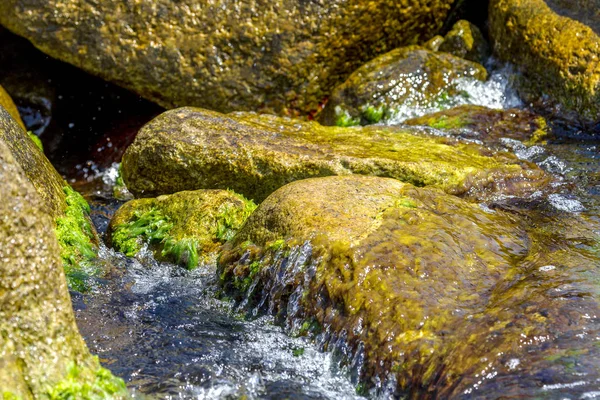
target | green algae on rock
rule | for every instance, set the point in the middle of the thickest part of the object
(42, 354)
(556, 44)
(9, 105)
(66, 207)
(283, 56)
(418, 289)
(407, 77)
(189, 149)
(466, 41)
(184, 228)
(486, 124)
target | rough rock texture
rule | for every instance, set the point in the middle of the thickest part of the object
(185, 227)
(557, 45)
(466, 41)
(445, 298)
(42, 354)
(48, 183)
(190, 148)
(486, 124)
(406, 78)
(281, 56)
(7, 103)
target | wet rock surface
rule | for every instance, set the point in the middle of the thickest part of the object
(450, 299)
(9, 105)
(185, 228)
(466, 41)
(281, 57)
(42, 354)
(557, 52)
(408, 77)
(188, 149)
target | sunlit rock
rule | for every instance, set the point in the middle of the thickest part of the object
(283, 56)
(41, 353)
(422, 294)
(189, 149)
(556, 44)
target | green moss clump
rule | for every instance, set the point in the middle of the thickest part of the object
(36, 140)
(146, 225)
(75, 236)
(104, 386)
(298, 352)
(344, 119)
(183, 252)
(373, 114)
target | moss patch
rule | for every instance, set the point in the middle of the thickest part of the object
(36, 140)
(75, 236)
(183, 228)
(75, 386)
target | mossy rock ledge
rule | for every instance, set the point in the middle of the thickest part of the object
(9, 105)
(282, 56)
(191, 148)
(185, 228)
(42, 355)
(556, 45)
(399, 82)
(424, 295)
(66, 207)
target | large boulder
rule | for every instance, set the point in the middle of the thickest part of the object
(186, 227)
(283, 56)
(408, 78)
(68, 210)
(190, 148)
(422, 294)
(556, 44)
(42, 354)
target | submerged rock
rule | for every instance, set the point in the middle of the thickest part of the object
(284, 56)
(185, 228)
(66, 207)
(422, 294)
(9, 105)
(557, 45)
(487, 125)
(408, 77)
(189, 149)
(42, 354)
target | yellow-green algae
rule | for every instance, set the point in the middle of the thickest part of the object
(40, 346)
(282, 56)
(36, 140)
(185, 227)
(191, 148)
(411, 76)
(487, 124)
(559, 56)
(466, 41)
(423, 286)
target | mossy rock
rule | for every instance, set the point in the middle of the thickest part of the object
(282, 57)
(67, 208)
(42, 354)
(556, 45)
(487, 125)
(419, 290)
(9, 105)
(190, 148)
(407, 77)
(466, 41)
(185, 228)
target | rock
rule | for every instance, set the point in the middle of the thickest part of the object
(466, 41)
(190, 148)
(186, 227)
(66, 207)
(487, 125)
(283, 57)
(406, 78)
(556, 45)
(42, 354)
(7, 103)
(419, 292)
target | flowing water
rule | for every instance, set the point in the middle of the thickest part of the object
(167, 333)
